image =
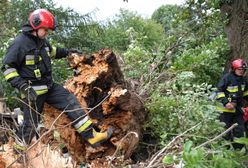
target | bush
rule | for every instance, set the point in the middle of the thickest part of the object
(204, 61)
(180, 106)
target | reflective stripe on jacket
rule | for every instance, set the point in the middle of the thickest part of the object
(28, 58)
(232, 88)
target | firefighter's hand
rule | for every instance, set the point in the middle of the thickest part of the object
(230, 106)
(29, 92)
(74, 50)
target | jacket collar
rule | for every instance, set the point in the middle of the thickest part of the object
(27, 30)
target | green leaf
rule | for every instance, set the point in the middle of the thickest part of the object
(187, 146)
(168, 159)
(242, 140)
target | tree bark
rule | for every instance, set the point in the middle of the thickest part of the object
(236, 29)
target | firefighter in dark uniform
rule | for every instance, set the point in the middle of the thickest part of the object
(232, 89)
(27, 67)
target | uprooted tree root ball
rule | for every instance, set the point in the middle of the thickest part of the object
(100, 87)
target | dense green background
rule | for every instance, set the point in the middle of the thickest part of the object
(174, 59)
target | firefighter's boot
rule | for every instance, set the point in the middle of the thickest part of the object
(99, 137)
(85, 129)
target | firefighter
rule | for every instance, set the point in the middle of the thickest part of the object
(232, 89)
(27, 67)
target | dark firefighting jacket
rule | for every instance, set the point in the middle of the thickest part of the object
(28, 60)
(232, 88)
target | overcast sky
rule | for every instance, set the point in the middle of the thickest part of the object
(108, 8)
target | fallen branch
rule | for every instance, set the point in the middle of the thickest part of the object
(217, 137)
(171, 142)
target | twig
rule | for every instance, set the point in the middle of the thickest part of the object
(48, 131)
(118, 146)
(154, 159)
(85, 113)
(217, 137)
(3, 128)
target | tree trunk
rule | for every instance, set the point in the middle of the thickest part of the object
(237, 27)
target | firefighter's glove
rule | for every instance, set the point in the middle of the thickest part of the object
(28, 92)
(74, 50)
(245, 115)
(230, 106)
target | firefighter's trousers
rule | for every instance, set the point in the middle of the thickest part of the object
(229, 119)
(58, 97)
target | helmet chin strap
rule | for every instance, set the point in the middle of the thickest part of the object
(36, 32)
(38, 40)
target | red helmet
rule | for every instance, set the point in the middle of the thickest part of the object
(238, 63)
(42, 18)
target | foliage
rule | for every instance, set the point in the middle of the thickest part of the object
(194, 40)
(117, 37)
(60, 74)
(168, 159)
(193, 157)
(181, 106)
(136, 38)
(242, 140)
(195, 50)
(176, 57)
(165, 15)
(204, 61)
(6, 89)
(199, 158)
(136, 56)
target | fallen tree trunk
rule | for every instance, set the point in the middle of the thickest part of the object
(100, 87)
